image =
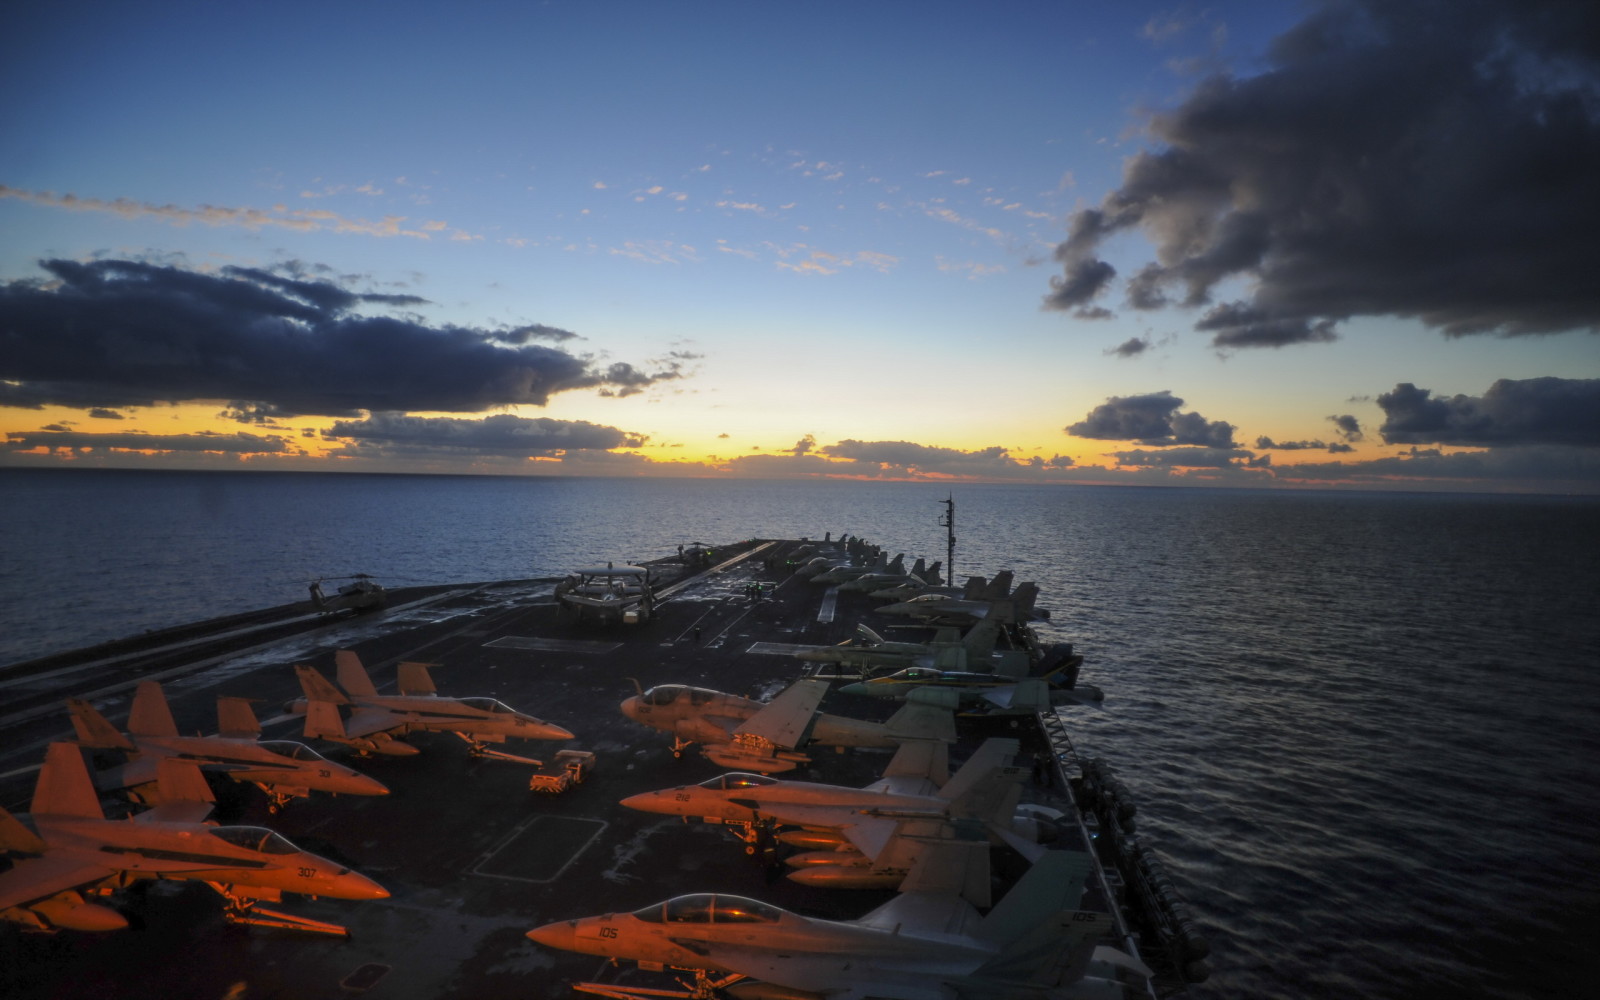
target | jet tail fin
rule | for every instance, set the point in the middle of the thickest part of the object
(94, 729)
(323, 721)
(1023, 598)
(236, 719)
(151, 716)
(317, 687)
(352, 675)
(64, 788)
(921, 722)
(999, 588)
(1054, 952)
(181, 781)
(1054, 883)
(980, 639)
(987, 786)
(921, 759)
(414, 679)
(16, 837)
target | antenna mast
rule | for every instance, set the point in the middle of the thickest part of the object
(947, 520)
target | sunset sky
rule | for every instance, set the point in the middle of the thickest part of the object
(1269, 244)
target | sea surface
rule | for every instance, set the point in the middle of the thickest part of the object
(1362, 729)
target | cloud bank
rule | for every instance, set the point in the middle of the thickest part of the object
(114, 333)
(1432, 160)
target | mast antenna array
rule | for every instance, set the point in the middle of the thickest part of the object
(947, 520)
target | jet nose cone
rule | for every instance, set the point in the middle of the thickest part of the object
(548, 731)
(858, 687)
(644, 802)
(368, 785)
(354, 885)
(630, 707)
(560, 934)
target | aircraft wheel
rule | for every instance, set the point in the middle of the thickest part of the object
(750, 849)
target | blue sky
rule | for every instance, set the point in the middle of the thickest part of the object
(818, 240)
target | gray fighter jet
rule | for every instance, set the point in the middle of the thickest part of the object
(942, 609)
(750, 735)
(67, 851)
(928, 943)
(283, 769)
(995, 694)
(375, 720)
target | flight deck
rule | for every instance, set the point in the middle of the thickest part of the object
(472, 856)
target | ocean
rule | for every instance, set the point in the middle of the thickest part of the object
(1362, 729)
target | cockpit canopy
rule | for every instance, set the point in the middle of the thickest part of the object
(915, 674)
(735, 780)
(253, 838)
(710, 908)
(292, 750)
(488, 705)
(666, 694)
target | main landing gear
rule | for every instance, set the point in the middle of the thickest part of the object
(702, 988)
(241, 908)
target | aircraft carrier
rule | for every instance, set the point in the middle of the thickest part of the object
(472, 858)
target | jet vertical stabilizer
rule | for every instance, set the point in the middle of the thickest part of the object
(415, 679)
(64, 788)
(319, 688)
(151, 715)
(95, 730)
(236, 719)
(352, 675)
(921, 722)
(1056, 882)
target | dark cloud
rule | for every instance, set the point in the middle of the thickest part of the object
(1349, 427)
(117, 333)
(1265, 443)
(236, 444)
(1433, 159)
(391, 434)
(1130, 348)
(536, 331)
(1512, 412)
(1152, 419)
(105, 414)
(899, 460)
(905, 458)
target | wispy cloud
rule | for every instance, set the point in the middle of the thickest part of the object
(303, 220)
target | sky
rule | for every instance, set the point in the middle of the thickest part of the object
(1270, 244)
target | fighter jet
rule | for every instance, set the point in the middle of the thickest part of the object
(870, 654)
(841, 574)
(743, 734)
(873, 835)
(72, 850)
(375, 721)
(283, 769)
(920, 573)
(975, 589)
(995, 694)
(925, 944)
(941, 609)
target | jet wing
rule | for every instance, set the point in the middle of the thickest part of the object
(843, 977)
(33, 879)
(783, 721)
